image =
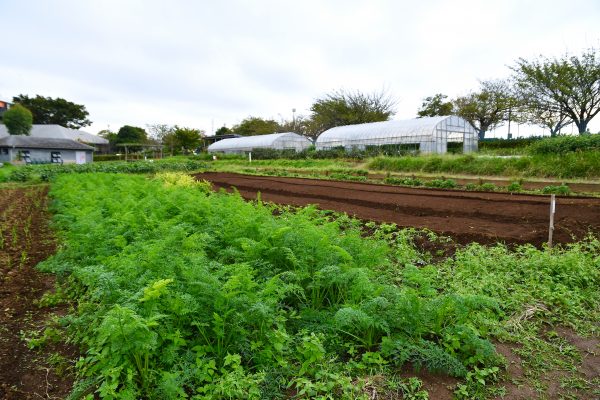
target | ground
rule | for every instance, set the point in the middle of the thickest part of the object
(34, 364)
(25, 240)
(466, 216)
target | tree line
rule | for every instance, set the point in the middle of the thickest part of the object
(549, 92)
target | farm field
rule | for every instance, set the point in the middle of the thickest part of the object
(170, 290)
(466, 216)
(25, 240)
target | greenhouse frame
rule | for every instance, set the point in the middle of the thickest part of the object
(428, 135)
(276, 141)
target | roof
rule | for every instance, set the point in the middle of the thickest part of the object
(59, 132)
(42, 143)
(387, 129)
(250, 142)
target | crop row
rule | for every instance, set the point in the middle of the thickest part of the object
(186, 293)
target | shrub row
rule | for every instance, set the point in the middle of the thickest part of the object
(46, 172)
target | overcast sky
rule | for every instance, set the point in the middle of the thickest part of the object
(203, 64)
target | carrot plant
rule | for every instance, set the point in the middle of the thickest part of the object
(187, 293)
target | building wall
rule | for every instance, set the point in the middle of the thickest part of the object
(68, 156)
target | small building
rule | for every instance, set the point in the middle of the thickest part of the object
(53, 131)
(276, 141)
(428, 135)
(35, 150)
(4, 105)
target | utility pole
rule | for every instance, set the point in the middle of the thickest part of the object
(293, 119)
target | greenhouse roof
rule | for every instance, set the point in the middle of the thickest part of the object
(249, 142)
(410, 127)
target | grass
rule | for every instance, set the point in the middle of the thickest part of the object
(567, 166)
(185, 292)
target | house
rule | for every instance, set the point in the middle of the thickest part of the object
(36, 150)
(3, 107)
(60, 132)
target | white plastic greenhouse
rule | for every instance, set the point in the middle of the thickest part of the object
(277, 141)
(428, 135)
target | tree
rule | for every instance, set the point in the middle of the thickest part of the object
(255, 126)
(47, 110)
(347, 108)
(435, 105)
(488, 108)
(222, 131)
(187, 138)
(111, 137)
(564, 86)
(529, 110)
(131, 134)
(18, 120)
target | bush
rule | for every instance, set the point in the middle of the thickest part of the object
(566, 144)
(561, 189)
(18, 120)
(514, 187)
(441, 183)
(488, 187)
(48, 171)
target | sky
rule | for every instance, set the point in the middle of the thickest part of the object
(205, 64)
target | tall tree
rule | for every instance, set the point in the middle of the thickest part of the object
(222, 131)
(542, 114)
(255, 126)
(164, 134)
(131, 134)
(47, 110)
(488, 108)
(346, 108)
(18, 120)
(569, 85)
(435, 105)
(187, 139)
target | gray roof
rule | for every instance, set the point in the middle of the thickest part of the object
(28, 142)
(59, 132)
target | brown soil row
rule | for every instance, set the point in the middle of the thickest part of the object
(25, 240)
(466, 216)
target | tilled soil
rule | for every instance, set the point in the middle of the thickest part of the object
(25, 240)
(485, 217)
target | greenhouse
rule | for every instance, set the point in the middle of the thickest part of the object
(427, 135)
(276, 141)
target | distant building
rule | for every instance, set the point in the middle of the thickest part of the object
(36, 150)
(4, 105)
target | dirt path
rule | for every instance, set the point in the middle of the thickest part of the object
(466, 216)
(25, 240)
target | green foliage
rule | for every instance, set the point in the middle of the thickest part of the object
(255, 126)
(47, 172)
(435, 105)
(560, 189)
(346, 108)
(184, 291)
(514, 187)
(390, 180)
(46, 110)
(566, 86)
(570, 165)
(187, 138)
(488, 187)
(441, 183)
(565, 144)
(486, 109)
(131, 134)
(18, 120)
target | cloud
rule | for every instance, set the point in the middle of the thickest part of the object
(211, 63)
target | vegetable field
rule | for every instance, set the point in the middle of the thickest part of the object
(181, 292)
